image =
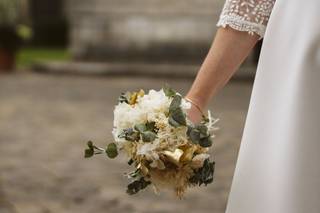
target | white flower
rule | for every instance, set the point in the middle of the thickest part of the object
(154, 102)
(148, 150)
(126, 116)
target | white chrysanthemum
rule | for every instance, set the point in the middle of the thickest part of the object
(154, 102)
(146, 109)
(126, 116)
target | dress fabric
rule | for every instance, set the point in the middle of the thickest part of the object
(278, 167)
(246, 15)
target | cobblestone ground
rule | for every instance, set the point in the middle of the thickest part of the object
(45, 121)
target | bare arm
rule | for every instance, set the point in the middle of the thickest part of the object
(229, 49)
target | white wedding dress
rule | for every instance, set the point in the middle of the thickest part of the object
(278, 168)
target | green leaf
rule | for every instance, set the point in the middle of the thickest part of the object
(112, 150)
(176, 115)
(140, 127)
(124, 97)
(194, 136)
(175, 103)
(90, 144)
(130, 162)
(169, 92)
(179, 117)
(130, 135)
(206, 142)
(204, 175)
(88, 153)
(136, 186)
(202, 129)
(148, 136)
(151, 126)
(173, 123)
(199, 135)
(147, 131)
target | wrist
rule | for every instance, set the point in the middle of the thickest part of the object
(196, 100)
(196, 104)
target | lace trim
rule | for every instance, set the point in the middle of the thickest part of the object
(236, 22)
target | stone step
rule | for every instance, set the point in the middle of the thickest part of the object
(147, 6)
(132, 69)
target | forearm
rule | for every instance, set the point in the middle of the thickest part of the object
(228, 51)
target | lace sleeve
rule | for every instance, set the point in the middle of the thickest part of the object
(246, 15)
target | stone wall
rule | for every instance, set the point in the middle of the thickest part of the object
(142, 30)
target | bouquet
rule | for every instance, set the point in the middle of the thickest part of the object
(165, 148)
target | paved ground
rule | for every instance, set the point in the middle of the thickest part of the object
(45, 121)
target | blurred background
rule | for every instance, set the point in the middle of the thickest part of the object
(63, 64)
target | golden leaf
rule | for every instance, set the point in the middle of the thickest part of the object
(174, 157)
(188, 152)
(133, 98)
(143, 169)
(141, 93)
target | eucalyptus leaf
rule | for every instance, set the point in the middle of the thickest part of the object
(199, 134)
(112, 150)
(124, 97)
(88, 153)
(130, 135)
(173, 123)
(90, 145)
(176, 115)
(151, 126)
(206, 142)
(137, 185)
(202, 129)
(179, 116)
(175, 103)
(195, 136)
(148, 136)
(140, 127)
(130, 162)
(204, 175)
(169, 92)
(202, 136)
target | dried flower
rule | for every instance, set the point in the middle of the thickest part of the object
(166, 149)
